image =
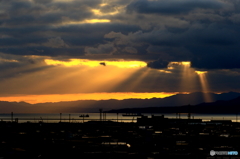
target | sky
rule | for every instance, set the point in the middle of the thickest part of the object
(66, 50)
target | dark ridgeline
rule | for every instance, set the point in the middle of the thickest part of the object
(92, 106)
(218, 107)
(154, 137)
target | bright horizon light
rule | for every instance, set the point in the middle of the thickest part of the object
(53, 98)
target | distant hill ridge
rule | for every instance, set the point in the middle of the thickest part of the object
(219, 107)
(106, 105)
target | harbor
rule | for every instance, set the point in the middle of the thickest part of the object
(147, 138)
(116, 117)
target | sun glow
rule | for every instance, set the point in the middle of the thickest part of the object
(103, 4)
(33, 99)
(186, 63)
(188, 76)
(76, 76)
(201, 72)
(95, 63)
(7, 60)
(99, 13)
(87, 21)
(204, 84)
(179, 63)
(164, 71)
(170, 68)
(96, 21)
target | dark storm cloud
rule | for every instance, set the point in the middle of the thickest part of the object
(101, 49)
(204, 32)
(207, 45)
(30, 26)
(24, 13)
(158, 64)
(72, 39)
(131, 50)
(171, 6)
(45, 51)
(16, 65)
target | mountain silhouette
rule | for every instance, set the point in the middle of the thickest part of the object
(219, 107)
(225, 99)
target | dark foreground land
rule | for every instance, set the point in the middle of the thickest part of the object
(149, 138)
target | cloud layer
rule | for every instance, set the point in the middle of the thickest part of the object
(154, 31)
(205, 32)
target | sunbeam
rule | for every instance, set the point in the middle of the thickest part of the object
(205, 86)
